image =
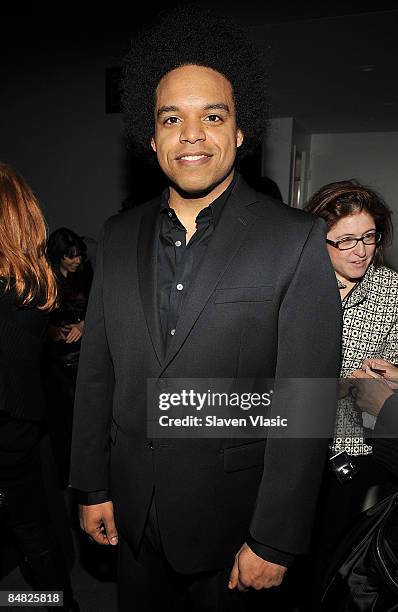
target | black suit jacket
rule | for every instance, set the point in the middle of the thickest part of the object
(264, 304)
(385, 449)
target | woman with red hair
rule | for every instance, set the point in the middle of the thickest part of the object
(27, 295)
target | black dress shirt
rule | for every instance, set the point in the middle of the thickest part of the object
(178, 262)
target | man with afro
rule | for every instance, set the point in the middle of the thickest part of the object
(210, 280)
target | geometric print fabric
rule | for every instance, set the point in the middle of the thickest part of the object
(370, 330)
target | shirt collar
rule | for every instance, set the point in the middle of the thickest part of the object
(213, 211)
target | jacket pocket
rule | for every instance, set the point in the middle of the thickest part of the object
(243, 457)
(244, 294)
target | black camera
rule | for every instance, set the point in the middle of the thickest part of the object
(343, 467)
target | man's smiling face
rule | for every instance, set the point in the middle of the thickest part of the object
(196, 135)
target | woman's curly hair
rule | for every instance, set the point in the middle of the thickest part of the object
(198, 36)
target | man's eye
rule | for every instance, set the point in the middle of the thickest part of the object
(213, 118)
(171, 120)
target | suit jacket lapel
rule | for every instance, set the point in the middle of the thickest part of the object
(228, 236)
(147, 275)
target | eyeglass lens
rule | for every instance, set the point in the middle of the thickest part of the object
(372, 238)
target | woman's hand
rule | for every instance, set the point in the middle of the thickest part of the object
(56, 333)
(74, 332)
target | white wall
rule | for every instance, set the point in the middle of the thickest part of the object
(283, 134)
(371, 158)
(277, 154)
(302, 142)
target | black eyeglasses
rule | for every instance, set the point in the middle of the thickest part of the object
(349, 243)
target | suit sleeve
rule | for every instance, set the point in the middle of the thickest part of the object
(270, 554)
(385, 449)
(94, 394)
(309, 338)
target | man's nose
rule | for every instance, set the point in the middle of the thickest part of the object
(192, 131)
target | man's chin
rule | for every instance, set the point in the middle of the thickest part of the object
(193, 192)
(196, 190)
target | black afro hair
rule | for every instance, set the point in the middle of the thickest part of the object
(189, 34)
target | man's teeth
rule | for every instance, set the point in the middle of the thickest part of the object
(192, 157)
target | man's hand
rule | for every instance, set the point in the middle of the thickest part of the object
(250, 570)
(371, 391)
(345, 385)
(97, 520)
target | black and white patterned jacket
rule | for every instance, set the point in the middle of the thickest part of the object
(370, 329)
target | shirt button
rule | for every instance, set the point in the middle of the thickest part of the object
(172, 331)
(178, 243)
(180, 287)
(170, 214)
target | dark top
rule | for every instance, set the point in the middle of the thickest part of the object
(22, 335)
(73, 291)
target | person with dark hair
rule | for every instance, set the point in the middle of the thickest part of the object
(28, 294)
(66, 252)
(208, 280)
(359, 228)
(250, 168)
(361, 573)
(215, 43)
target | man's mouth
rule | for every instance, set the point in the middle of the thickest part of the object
(192, 157)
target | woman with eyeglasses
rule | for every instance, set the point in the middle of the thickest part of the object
(359, 228)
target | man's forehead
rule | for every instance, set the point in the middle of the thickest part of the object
(190, 81)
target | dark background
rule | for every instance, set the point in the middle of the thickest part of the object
(332, 67)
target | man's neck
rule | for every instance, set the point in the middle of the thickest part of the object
(187, 208)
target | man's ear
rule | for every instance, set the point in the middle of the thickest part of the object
(239, 137)
(153, 144)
